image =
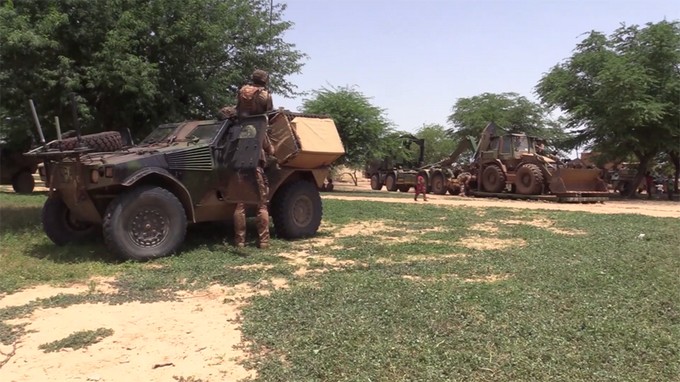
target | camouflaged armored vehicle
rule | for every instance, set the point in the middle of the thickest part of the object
(143, 196)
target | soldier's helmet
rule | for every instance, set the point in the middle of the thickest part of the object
(260, 77)
(227, 112)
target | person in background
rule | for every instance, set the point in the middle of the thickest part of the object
(649, 184)
(421, 188)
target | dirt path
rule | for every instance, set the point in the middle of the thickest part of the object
(657, 208)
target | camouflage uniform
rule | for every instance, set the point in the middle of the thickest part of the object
(227, 112)
(254, 98)
(247, 105)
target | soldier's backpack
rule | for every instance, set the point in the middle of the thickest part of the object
(251, 101)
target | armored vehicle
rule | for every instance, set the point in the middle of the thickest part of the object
(143, 196)
(17, 169)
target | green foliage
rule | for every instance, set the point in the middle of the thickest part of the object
(77, 340)
(621, 92)
(362, 126)
(136, 63)
(438, 144)
(507, 110)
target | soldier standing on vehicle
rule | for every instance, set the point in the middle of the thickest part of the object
(227, 112)
(254, 99)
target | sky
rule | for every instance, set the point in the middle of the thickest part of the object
(414, 59)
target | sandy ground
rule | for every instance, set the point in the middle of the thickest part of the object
(198, 336)
(658, 208)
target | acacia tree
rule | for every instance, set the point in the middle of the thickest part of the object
(136, 63)
(621, 92)
(510, 111)
(438, 144)
(361, 125)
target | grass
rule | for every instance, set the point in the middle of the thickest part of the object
(77, 340)
(583, 299)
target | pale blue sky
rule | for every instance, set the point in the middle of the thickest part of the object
(416, 58)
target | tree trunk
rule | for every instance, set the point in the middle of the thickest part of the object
(675, 159)
(641, 170)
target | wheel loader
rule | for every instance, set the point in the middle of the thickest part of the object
(514, 164)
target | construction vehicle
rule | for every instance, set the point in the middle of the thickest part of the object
(440, 177)
(396, 175)
(514, 165)
(447, 175)
(143, 196)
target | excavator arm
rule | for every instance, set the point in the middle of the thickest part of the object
(418, 141)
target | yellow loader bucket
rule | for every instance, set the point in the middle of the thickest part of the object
(577, 181)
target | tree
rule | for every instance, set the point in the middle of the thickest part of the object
(362, 126)
(510, 111)
(621, 92)
(438, 144)
(136, 63)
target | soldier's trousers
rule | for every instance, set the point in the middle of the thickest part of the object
(262, 217)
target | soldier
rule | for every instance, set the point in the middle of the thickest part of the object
(227, 112)
(254, 99)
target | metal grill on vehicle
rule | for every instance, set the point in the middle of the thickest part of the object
(197, 159)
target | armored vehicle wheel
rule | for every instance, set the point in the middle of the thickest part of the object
(296, 210)
(145, 223)
(529, 180)
(493, 179)
(23, 182)
(58, 224)
(438, 185)
(375, 183)
(404, 188)
(106, 141)
(391, 183)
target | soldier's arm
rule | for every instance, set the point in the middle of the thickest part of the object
(267, 145)
(270, 102)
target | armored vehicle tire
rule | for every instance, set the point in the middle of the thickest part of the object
(529, 180)
(145, 223)
(23, 182)
(58, 224)
(493, 179)
(375, 183)
(404, 188)
(106, 141)
(391, 183)
(296, 210)
(438, 185)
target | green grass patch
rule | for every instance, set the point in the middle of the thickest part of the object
(582, 299)
(77, 340)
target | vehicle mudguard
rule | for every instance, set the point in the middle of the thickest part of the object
(167, 181)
